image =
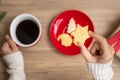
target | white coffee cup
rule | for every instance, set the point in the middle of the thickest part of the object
(17, 21)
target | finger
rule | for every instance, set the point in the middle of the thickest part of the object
(112, 50)
(94, 48)
(102, 42)
(6, 49)
(85, 52)
(11, 43)
(98, 38)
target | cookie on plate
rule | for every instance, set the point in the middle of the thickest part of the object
(71, 25)
(80, 34)
(65, 39)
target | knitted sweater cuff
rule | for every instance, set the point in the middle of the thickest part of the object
(15, 66)
(14, 58)
(101, 71)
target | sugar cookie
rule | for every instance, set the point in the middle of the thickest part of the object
(71, 25)
(80, 34)
(65, 39)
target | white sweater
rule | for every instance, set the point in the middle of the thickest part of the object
(101, 71)
(15, 69)
(15, 64)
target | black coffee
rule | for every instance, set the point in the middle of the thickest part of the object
(27, 31)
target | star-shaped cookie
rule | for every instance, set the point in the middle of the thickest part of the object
(80, 34)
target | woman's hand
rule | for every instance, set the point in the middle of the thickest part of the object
(100, 51)
(9, 46)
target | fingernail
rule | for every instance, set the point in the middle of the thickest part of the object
(90, 32)
(7, 37)
(79, 44)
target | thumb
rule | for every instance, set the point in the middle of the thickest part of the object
(86, 54)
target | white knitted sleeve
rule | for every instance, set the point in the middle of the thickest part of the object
(101, 71)
(15, 66)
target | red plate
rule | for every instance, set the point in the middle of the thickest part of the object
(59, 25)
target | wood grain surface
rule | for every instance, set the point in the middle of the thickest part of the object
(43, 62)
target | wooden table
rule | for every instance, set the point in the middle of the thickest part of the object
(43, 62)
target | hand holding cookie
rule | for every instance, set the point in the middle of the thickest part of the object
(100, 52)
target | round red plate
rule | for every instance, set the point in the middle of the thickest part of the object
(59, 25)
